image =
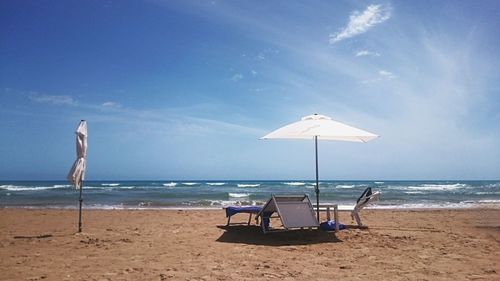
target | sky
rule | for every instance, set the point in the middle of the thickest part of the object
(175, 90)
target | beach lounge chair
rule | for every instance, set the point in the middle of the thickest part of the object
(366, 198)
(233, 210)
(293, 211)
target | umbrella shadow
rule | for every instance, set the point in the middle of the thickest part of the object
(41, 236)
(253, 235)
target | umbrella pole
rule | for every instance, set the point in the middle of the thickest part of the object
(317, 177)
(80, 212)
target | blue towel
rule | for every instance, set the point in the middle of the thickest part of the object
(233, 210)
(330, 225)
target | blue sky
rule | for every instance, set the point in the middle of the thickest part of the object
(184, 89)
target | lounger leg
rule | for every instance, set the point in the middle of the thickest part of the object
(249, 218)
(358, 219)
(228, 220)
(336, 216)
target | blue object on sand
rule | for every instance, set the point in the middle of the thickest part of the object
(330, 225)
(233, 210)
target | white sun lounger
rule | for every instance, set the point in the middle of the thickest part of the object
(366, 198)
(293, 211)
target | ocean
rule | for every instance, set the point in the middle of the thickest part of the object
(216, 194)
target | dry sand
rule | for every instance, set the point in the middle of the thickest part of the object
(195, 245)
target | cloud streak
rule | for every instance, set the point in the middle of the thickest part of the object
(53, 99)
(365, 53)
(237, 77)
(383, 75)
(361, 22)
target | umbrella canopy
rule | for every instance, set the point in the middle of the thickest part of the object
(77, 173)
(320, 127)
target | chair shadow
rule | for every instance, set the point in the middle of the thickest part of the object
(253, 235)
(354, 226)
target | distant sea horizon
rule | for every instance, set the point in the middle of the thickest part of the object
(209, 194)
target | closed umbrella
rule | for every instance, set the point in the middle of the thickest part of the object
(77, 173)
(320, 127)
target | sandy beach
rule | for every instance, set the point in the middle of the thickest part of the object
(196, 245)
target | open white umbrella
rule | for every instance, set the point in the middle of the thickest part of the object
(77, 173)
(320, 127)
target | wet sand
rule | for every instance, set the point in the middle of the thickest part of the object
(196, 245)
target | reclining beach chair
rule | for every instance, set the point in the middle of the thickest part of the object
(366, 198)
(293, 211)
(233, 210)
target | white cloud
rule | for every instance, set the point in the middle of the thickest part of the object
(237, 77)
(386, 74)
(362, 22)
(53, 99)
(254, 73)
(110, 104)
(364, 53)
(383, 75)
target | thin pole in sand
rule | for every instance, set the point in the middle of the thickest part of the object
(317, 177)
(80, 212)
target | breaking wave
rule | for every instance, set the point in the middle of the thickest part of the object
(295, 183)
(239, 195)
(249, 185)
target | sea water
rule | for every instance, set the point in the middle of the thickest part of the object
(215, 194)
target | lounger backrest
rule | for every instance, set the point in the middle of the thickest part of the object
(365, 196)
(294, 211)
(297, 214)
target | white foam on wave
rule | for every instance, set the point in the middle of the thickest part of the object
(345, 186)
(11, 187)
(295, 183)
(490, 201)
(379, 182)
(189, 183)
(249, 185)
(442, 205)
(487, 193)
(110, 184)
(431, 187)
(216, 183)
(170, 184)
(414, 192)
(126, 187)
(239, 195)
(62, 185)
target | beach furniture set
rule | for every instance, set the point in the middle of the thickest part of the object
(297, 212)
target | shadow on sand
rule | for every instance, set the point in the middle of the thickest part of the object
(253, 235)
